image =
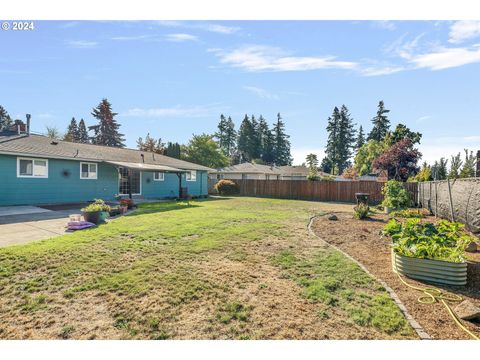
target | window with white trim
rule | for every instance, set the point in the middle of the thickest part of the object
(88, 171)
(36, 168)
(158, 176)
(191, 176)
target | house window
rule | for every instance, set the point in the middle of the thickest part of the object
(88, 171)
(158, 176)
(37, 168)
(191, 176)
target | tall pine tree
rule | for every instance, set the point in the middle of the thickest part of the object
(246, 140)
(72, 133)
(256, 140)
(360, 139)
(281, 144)
(381, 124)
(331, 150)
(346, 139)
(173, 150)
(266, 141)
(226, 135)
(5, 119)
(106, 132)
(82, 132)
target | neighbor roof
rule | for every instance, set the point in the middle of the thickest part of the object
(249, 168)
(294, 170)
(42, 146)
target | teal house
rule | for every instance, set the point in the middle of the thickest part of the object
(36, 170)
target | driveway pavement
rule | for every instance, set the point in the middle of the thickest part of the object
(20, 225)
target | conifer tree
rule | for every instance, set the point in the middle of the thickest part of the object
(281, 144)
(256, 139)
(106, 132)
(246, 142)
(173, 150)
(468, 169)
(5, 119)
(381, 124)
(360, 139)
(455, 166)
(72, 133)
(150, 144)
(82, 132)
(266, 141)
(331, 150)
(226, 135)
(346, 139)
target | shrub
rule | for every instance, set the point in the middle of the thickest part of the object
(443, 241)
(361, 211)
(395, 195)
(313, 177)
(328, 178)
(227, 187)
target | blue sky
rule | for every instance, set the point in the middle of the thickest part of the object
(174, 78)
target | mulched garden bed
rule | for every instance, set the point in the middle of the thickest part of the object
(362, 240)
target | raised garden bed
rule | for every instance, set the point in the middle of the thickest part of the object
(436, 271)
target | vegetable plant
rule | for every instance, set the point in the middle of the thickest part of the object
(395, 195)
(361, 211)
(443, 241)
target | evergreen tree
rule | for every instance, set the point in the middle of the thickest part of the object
(312, 164)
(455, 166)
(173, 150)
(246, 142)
(439, 169)
(5, 119)
(266, 141)
(468, 169)
(281, 144)
(106, 132)
(346, 139)
(150, 144)
(256, 139)
(82, 132)
(226, 135)
(331, 150)
(72, 133)
(403, 132)
(326, 165)
(360, 139)
(381, 124)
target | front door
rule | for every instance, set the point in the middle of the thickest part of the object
(135, 182)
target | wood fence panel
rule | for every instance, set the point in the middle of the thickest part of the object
(341, 191)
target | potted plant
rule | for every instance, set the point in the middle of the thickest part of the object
(395, 196)
(105, 209)
(91, 213)
(430, 252)
(127, 202)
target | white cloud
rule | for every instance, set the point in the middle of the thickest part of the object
(267, 58)
(378, 71)
(211, 27)
(46, 115)
(176, 111)
(261, 93)
(385, 24)
(299, 154)
(180, 37)
(131, 38)
(82, 44)
(424, 118)
(444, 58)
(464, 30)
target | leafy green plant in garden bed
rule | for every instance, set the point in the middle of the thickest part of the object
(395, 195)
(361, 211)
(407, 213)
(443, 241)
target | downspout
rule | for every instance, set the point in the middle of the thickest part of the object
(179, 184)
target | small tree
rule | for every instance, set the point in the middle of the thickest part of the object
(326, 165)
(468, 169)
(5, 119)
(72, 133)
(53, 133)
(173, 150)
(150, 144)
(455, 166)
(367, 154)
(312, 163)
(439, 169)
(400, 160)
(203, 150)
(350, 173)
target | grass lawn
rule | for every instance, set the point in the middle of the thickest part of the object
(239, 268)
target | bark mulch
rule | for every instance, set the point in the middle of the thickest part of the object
(362, 240)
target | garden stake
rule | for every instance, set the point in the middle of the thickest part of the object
(433, 295)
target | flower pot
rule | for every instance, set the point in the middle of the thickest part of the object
(123, 209)
(387, 209)
(93, 217)
(435, 271)
(103, 216)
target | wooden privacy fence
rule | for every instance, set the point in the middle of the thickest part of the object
(341, 191)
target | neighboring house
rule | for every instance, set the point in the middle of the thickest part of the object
(247, 171)
(35, 169)
(294, 172)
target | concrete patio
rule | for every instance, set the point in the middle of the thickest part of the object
(24, 224)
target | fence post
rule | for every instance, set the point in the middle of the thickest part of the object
(450, 198)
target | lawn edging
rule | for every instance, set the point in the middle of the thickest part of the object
(422, 334)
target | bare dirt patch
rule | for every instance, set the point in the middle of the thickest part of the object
(362, 240)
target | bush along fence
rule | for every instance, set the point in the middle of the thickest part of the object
(453, 199)
(341, 191)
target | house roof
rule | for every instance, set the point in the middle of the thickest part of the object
(42, 146)
(249, 168)
(294, 170)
